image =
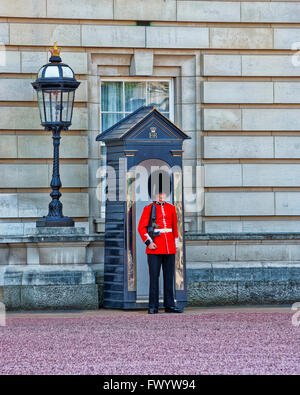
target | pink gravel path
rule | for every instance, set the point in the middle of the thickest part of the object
(213, 343)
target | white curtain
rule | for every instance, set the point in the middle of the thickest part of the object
(119, 98)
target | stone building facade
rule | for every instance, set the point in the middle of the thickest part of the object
(234, 75)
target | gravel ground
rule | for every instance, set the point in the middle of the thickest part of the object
(237, 342)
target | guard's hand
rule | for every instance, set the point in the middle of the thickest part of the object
(152, 246)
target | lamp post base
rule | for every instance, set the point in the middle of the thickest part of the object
(54, 221)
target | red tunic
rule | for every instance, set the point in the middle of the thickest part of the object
(165, 218)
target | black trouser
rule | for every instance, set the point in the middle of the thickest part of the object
(168, 263)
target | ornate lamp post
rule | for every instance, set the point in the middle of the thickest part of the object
(55, 86)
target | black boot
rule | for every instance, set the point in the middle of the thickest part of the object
(152, 310)
(173, 309)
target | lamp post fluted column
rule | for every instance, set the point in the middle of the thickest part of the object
(55, 207)
(55, 212)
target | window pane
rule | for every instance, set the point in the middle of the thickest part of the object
(41, 105)
(64, 106)
(67, 106)
(70, 105)
(40, 72)
(48, 108)
(109, 120)
(52, 105)
(159, 95)
(51, 71)
(111, 96)
(135, 95)
(67, 72)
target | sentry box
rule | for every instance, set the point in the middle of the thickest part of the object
(143, 153)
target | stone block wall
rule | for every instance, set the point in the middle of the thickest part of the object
(245, 269)
(236, 93)
(51, 269)
(236, 85)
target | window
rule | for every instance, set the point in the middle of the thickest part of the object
(120, 98)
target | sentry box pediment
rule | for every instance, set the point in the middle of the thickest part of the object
(145, 124)
(144, 139)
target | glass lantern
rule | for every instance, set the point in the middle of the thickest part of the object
(55, 86)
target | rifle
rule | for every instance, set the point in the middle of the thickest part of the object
(152, 224)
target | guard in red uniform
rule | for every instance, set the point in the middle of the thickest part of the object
(161, 252)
